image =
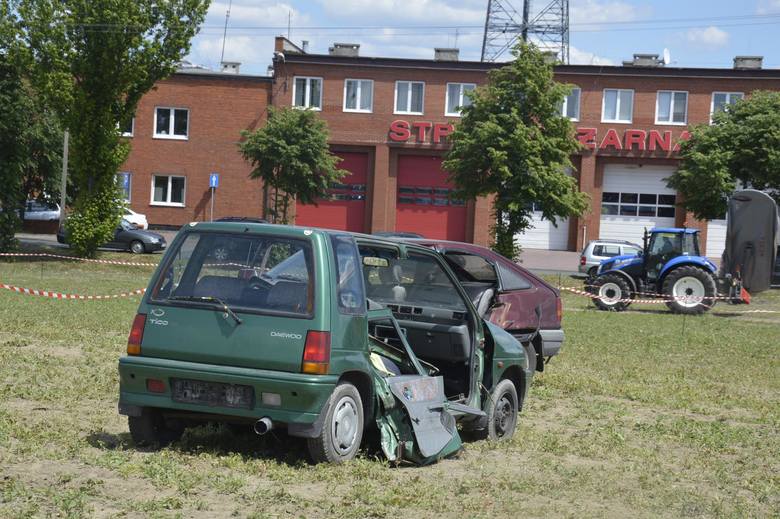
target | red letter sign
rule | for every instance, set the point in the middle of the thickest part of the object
(440, 131)
(421, 127)
(399, 131)
(611, 139)
(587, 137)
(656, 141)
(637, 137)
(684, 136)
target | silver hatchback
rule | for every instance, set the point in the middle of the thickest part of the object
(598, 250)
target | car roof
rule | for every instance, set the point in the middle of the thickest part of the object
(620, 242)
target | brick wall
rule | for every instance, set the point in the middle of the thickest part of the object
(219, 108)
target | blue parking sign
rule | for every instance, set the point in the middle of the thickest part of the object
(214, 180)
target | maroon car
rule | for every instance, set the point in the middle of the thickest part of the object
(507, 294)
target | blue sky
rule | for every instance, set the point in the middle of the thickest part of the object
(696, 32)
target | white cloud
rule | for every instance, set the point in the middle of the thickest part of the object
(432, 12)
(768, 7)
(709, 38)
(581, 57)
(596, 11)
(252, 47)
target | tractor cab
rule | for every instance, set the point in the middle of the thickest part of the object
(663, 244)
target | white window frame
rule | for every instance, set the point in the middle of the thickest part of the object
(183, 203)
(409, 100)
(171, 125)
(671, 107)
(129, 184)
(728, 100)
(357, 108)
(132, 126)
(306, 93)
(576, 118)
(461, 96)
(617, 106)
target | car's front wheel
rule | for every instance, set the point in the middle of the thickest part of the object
(136, 247)
(342, 430)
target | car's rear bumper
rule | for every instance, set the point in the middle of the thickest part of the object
(303, 397)
(552, 340)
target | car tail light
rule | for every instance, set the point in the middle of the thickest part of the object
(154, 385)
(316, 353)
(559, 309)
(582, 260)
(136, 335)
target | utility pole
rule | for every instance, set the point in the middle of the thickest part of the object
(64, 184)
(224, 33)
(547, 28)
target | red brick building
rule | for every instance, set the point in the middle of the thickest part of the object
(389, 118)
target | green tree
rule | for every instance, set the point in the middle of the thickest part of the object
(741, 148)
(93, 60)
(30, 136)
(290, 155)
(513, 143)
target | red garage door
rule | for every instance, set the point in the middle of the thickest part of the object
(347, 208)
(424, 203)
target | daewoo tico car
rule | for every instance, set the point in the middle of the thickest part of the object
(322, 333)
(508, 295)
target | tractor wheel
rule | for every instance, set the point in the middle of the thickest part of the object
(690, 290)
(612, 291)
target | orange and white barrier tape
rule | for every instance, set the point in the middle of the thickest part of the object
(73, 258)
(60, 295)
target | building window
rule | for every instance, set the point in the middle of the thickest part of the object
(124, 183)
(457, 98)
(127, 129)
(618, 106)
(409, 97)
(424, 195)
(671, 107)
(168, 190)
(646, 205)
(171, 123)
(307, 92)
(358, 95)
(721, 100)
(571, 105)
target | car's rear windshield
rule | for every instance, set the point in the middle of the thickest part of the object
(258, 273)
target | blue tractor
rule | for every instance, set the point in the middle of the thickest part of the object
(670, 267)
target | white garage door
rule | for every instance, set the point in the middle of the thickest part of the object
(544, 235)
(716, 238)
(634, 198)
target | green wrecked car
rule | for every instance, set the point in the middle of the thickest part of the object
(321, 333)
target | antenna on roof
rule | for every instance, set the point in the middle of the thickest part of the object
(224, 33)
(667, 57)
(289, 20)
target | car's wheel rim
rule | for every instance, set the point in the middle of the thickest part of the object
(505, 416)
(221, 254)
(688, 291)
(137, 248)
(610, 293)
(344, 426)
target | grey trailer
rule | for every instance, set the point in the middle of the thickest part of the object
(752, 240)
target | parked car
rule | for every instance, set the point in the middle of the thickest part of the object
(36, 210)
(398, 234)
(136, 218)
(508, 295)
(322, 333)
(598, 250)
(128, 237)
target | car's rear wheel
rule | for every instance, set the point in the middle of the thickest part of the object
(342, 430)
(136, 247)
(150, 429)
(612, 292)
(690, 290)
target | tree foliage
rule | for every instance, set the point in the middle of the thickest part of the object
(513, 143)
(30, 135)
(93, 60)
(290, 155)
(741, 148)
